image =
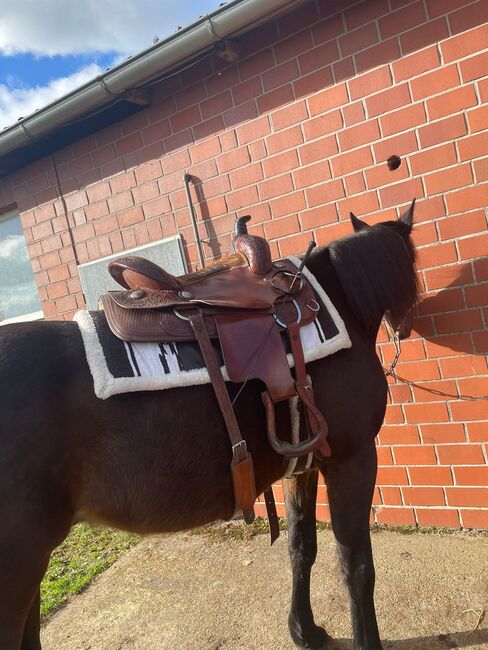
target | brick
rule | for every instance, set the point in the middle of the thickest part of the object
(478, 119)
(360, 205)
(294, 202)
(349, 162)
(432, 412)
(401, 192)
(105, 225)
(390, 496)
(477, 296)
(318, 150)
(481, 169)
(402, 19)
(415, 455)
(435, 391)
(383, 52)
(365, 13)
(354, 183)
(392, 476)
(402, 435)
(471, 475)
(359, 134)
(353, 113)
(205, 150)
(442, 131)
(403, 119)
(280, 74)
(294, 245)
(275, 186)
(289, 115)
(393, 414)
(381, 175)
(419, 370)
(474, 68)
(452, 102)
(462, 201)
(473, 146)
(399, 144)
(280, 163)
(328, 99)
(449, 179)
(465, 44)
(474, 518)
(129, 217)
(83, 232)
(358, 39)
(463, 321)
(423, 496)
(311, 175)
(415, 64)
(384, 456)
(463, 366)
(293, 46)
(430, 476)
(434, 82)
(369, 83)
(465, 496)
(470, 410)
(343, 69)
(467, 17)
(442, 301)
(313, 82)
(324, 193)
(275, 99)
(480, 340)
(297, 19)
(424, 35)
(328, 29)
(388, 100)
(440, 518)
(322, 125)
(426, 161)
(318, 57)
(318, 217)
(478, 431)
(246, 175)
(242, 198)
(395, 516)
(285, 139)
(282, 227)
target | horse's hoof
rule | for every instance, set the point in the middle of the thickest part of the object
(318, 639)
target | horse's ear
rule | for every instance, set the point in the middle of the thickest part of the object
(407, 216)
(357, 224)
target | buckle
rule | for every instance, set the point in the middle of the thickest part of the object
(239, 451)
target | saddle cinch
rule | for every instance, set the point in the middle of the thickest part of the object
(245, 300)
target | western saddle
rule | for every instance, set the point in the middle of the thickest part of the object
(244, 300)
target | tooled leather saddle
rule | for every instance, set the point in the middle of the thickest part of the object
(244, 300)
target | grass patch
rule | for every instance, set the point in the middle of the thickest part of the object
(84, 554)
(238, 530)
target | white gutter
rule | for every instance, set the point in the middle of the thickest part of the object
(140, 69)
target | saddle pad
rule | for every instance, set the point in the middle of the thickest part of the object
(122, 367)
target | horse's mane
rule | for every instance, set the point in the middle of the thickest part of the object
(375, 268)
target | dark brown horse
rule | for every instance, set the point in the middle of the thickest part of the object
(159, 461)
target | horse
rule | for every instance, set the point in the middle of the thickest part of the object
(154, 462)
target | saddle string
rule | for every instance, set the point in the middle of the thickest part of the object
(287, 293)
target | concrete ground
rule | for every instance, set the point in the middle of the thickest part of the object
(189, 592)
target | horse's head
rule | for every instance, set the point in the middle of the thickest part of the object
(399, 315)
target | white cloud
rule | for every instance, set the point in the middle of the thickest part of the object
(20, 101)
(50, 27)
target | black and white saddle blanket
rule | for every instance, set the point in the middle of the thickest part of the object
(122, 367)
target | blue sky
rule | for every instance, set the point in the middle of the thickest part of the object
(48, 48)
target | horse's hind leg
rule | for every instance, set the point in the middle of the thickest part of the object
(31, 639)
(300, 498)
(350, 485)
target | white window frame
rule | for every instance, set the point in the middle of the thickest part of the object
(33, 315)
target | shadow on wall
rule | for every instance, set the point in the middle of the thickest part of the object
(452, 316)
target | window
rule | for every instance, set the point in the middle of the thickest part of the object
(96, 280)
(19, 299)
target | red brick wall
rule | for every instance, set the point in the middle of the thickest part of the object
(297, 134)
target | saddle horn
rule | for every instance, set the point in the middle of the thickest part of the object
(255, 248)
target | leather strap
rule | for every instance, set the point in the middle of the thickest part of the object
(242, 467)
(274, 524)
(304, 388)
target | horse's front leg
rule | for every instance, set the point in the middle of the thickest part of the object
(350, 485)
(300, 499)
